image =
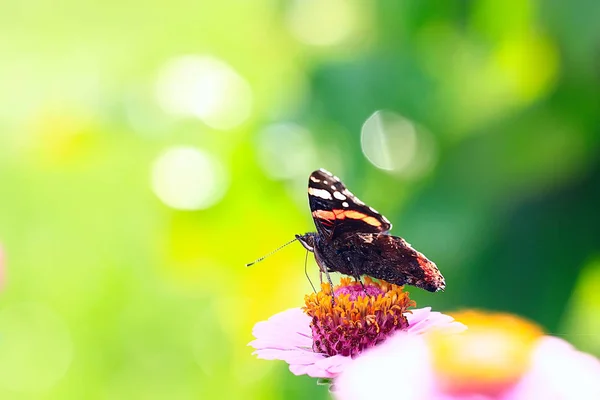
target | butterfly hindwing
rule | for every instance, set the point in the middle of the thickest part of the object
(336, 210)
(393, 259)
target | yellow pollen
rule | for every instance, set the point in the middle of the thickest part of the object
(363, 308)
(352, 320)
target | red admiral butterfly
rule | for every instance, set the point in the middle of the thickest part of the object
(352, 238)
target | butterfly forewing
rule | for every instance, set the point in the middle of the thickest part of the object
(336, 210)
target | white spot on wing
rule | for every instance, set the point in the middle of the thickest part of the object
(312, 178)
(353, 197)
(321, 193)
(325, 183)
(345, 204)
(339, 196)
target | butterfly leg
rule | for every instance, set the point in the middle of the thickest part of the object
(356, 274)
(329, 280)
(330, 286)
(323, 269)
(361, 284)
(306, 272)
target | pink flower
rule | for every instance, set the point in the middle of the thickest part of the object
(558, 371)
(499, 357)
(323, 340)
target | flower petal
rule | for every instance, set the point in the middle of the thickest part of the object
(559, 371)
(291, 356)
(336, 364)
(286, 330)
(286, 336)
(327, 367)
(398, 368)
(311, 370)
(423, 320)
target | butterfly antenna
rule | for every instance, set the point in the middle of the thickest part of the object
(306, 272)
(274, 251)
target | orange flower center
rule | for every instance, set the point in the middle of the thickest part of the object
(353, 320)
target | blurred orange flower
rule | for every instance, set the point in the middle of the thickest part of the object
(499, 357)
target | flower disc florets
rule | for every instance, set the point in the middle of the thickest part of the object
(353, 320)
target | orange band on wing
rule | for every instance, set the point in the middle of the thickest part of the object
(343, 214)
(372, 221)
(322, 214)
(351, 214)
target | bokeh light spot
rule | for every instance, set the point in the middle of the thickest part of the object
(286, 151)
(322, 22)
(393, 143)
(206, 88)
(35, 347)
(187, 178)
(530, 65)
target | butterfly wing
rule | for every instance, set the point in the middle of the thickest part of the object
(336, 210)
(392, 259)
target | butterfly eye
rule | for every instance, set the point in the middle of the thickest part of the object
(307, 240)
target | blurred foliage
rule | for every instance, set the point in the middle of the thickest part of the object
(110, 293)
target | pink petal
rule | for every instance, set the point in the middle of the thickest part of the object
(327, 367)
(398, 368)
(286, 330)
(336, 364)
(287, 336)
(559, 371)
(312, 370)
(422, 320)
(299, 357)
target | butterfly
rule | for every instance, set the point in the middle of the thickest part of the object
(353, 239)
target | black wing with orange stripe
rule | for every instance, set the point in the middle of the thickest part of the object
(336, 210)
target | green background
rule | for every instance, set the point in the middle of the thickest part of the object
(111, 293)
